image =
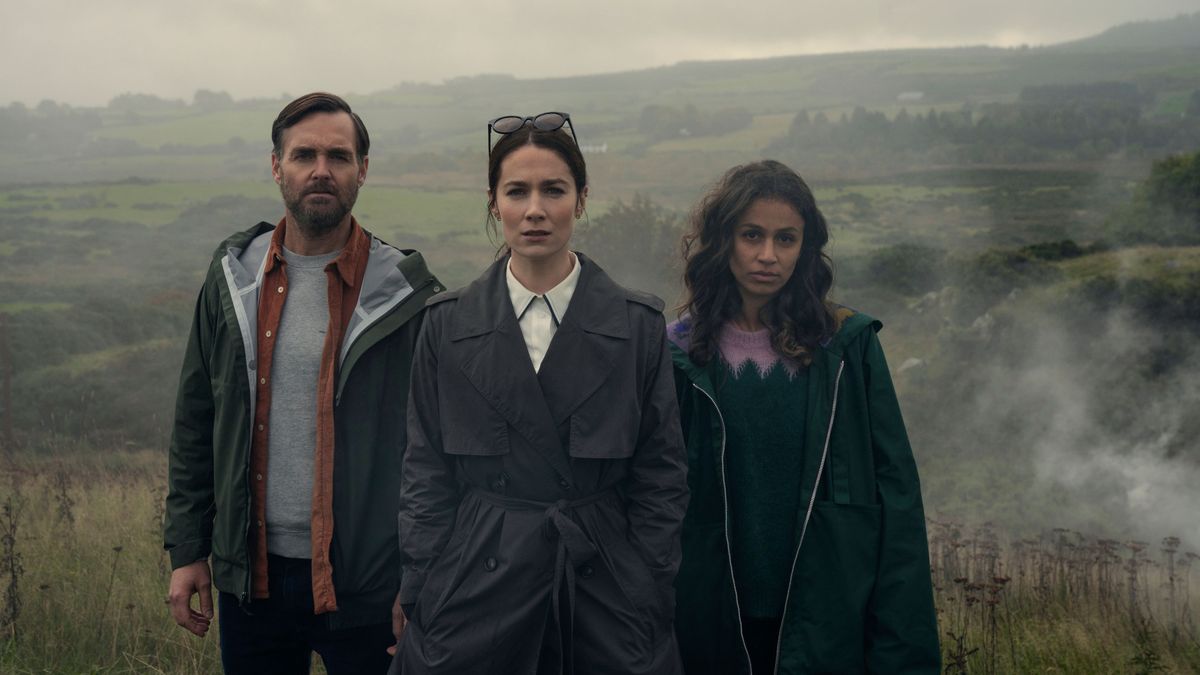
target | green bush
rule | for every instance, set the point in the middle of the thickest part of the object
(637, 244)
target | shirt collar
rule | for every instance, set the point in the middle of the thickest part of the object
(348, 262)
(558, 297)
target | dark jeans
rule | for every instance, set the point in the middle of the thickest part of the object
(279, 634)
(762, 641)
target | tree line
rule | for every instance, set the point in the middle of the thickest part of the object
(1079, 122)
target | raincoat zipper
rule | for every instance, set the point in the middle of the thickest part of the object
(240, 317)
(812, 500)
(728, 546)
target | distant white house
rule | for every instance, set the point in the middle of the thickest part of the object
(910, 96)
(594, 149)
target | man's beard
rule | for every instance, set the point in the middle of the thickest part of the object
(317, 220)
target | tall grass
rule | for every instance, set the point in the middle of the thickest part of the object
(92, 596)
(1062, 602)
(83, 582)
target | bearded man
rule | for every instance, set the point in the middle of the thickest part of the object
(284, 465)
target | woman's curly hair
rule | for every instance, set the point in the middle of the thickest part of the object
(799, 315)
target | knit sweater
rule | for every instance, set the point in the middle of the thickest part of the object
(762, 396)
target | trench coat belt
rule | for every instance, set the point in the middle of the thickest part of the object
(573, 549)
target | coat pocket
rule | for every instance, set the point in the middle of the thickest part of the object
(633, 577)
(834, 579)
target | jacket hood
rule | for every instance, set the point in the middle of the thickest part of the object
(850, 324)
(392, 276)
(237, 242)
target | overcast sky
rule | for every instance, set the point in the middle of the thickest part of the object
(84, 53)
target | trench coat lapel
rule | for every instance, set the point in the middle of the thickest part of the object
(587, 344)
(498, 364)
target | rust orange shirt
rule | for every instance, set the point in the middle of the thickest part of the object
(344, 276)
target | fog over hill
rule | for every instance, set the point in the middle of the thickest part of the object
(1182, 31)
(85, 54)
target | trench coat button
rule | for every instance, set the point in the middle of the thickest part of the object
(562, 483)
(586, 571)
(489, 564)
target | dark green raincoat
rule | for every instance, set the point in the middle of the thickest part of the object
(208, 507)
(860, 598)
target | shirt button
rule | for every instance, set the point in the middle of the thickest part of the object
(279, 290)
(260, 523)
(490, 564)
(258, 476)
(260, 427)
(262, 380)
(268, 333)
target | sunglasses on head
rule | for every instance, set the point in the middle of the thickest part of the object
(547, 121)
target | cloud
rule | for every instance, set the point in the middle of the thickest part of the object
(85, 53)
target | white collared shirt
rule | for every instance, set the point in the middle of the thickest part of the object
(539, 315)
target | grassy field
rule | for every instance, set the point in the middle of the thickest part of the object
(142, 202)
(1062, 602)
(92, 576)
(86, 530)
(90, 582)
(214, 128)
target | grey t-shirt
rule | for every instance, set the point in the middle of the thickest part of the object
(295, 368)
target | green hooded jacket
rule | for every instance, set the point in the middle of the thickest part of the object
(208, 506)
(860, 598)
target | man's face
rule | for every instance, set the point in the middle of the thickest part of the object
(319, 171)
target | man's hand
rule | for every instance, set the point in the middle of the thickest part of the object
(399, 622)
(189, 580)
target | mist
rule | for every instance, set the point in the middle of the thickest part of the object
(1107, 428)
(86, 54)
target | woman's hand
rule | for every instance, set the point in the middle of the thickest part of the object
(399, 623)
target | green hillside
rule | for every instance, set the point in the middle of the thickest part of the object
(443, 123)
(937, 170)
(1182, 31)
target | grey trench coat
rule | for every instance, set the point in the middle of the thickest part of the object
(541, 511)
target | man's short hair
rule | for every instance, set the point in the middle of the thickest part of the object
(317, 102)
